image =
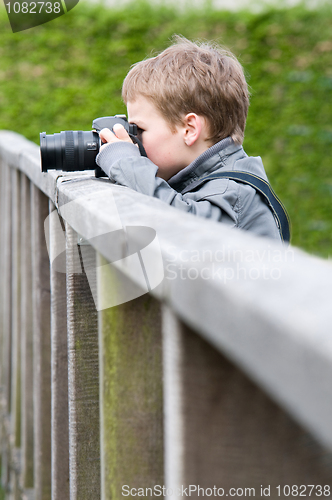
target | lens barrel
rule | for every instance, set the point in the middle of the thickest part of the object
(69, 151)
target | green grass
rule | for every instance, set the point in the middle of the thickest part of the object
(61, 75)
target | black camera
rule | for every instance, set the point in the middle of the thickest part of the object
(77, 150)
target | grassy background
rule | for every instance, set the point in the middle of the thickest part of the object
(61, 75)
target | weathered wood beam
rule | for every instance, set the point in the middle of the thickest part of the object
(83, 377)
(6, 285)
(131, 394)
(41, 346)
(27, 364)
(15, 413)
(59, 358)
(223, 432)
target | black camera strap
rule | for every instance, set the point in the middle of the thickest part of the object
(262, 187)
(135, 140)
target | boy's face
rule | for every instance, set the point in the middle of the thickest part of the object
(164, 148)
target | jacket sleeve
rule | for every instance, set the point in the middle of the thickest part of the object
(124, 165)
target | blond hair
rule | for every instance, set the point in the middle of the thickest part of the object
(199, 78)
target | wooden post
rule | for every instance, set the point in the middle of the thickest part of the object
(131, 388)
(222, 430)
(59, 360)
(15, 415)
(41, 347)
(6, 243)
(27, 368)
(83, 393)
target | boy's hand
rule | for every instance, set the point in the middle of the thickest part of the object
(119, 134)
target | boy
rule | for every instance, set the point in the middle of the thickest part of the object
(190, 104)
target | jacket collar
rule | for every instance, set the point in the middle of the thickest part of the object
(207, 162)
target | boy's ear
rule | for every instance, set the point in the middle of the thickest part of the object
(192, 128)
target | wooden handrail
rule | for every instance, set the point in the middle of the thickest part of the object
(144, 347)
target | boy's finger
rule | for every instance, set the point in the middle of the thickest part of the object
(107, 135)
(121, 133)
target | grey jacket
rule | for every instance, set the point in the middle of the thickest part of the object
(223, 200)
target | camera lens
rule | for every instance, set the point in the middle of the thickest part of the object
(69, 151)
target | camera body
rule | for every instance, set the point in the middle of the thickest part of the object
(72, 151)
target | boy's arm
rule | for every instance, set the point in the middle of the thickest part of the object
(122, 162)
(124, 165)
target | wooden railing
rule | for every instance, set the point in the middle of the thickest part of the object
(142, 347)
